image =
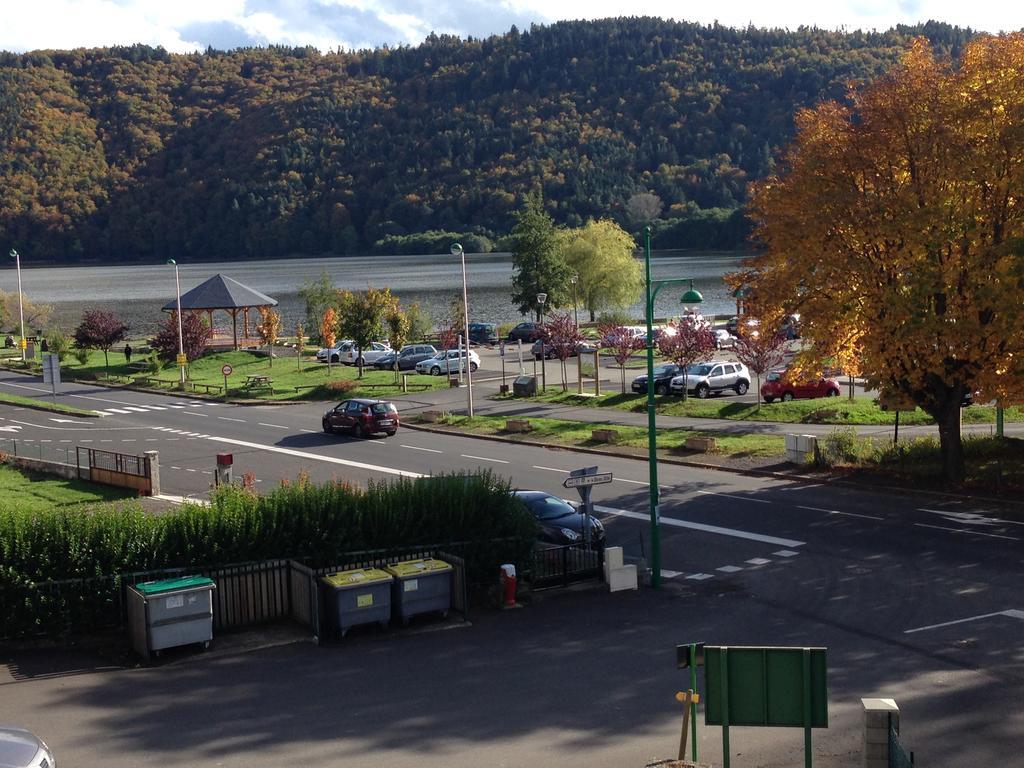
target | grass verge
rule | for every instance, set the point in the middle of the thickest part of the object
(42, 405)
(33, 492)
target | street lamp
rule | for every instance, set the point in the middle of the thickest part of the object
(181, 341)
(575, 307)
(690, 298)
(456, 250)
(21, 305)
(541, 298)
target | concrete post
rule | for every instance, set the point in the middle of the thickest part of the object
(153, 459)
(879, 716)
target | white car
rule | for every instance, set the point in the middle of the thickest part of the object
(20, 748)
(335, 352)
(450, 361)
(724, 339)
(371, 354)
(703, 379)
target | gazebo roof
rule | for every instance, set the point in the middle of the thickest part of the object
(221, 292)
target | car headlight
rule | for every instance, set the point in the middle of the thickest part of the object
(570, 534)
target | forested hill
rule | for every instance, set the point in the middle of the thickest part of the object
(136, 154)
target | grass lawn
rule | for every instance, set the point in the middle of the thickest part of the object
(31, 492)
(42, 405)
(832, 410)
(307, 380)
(575, 433)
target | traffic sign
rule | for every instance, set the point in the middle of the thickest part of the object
(579, 481)
(182, 360)
(226, 369)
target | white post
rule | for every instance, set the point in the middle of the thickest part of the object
(181, 342)
(21, 304)
(465, 319)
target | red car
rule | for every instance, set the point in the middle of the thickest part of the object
(362, 417)
(777, 387)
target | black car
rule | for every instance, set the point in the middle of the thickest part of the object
(483, 333)
(407, 357)
(362, 417)
(663, 375)
(559, 521)
(526, 332)
(583, 348)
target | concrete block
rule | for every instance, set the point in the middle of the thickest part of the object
(704, 444)
(432, 416)
(876, 735)
(623, 578)
(518, 425)
(791, 444)
(613, 557)
(604, 435)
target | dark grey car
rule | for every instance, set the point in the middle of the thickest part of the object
(407, 357)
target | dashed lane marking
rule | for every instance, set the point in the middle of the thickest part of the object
(758, 561)
(786, 553)
(837, 512)
(667, 574)
(700, 576)
(1013, 613)
(552, 469)
(228, 418)
(264, 424)
(733, 532)
(967, 531)
(483, 458)
(730, 496)
(418, 448)
(729, 569)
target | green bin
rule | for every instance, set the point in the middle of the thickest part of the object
(171, 612)
(360, 596)
(421, 586)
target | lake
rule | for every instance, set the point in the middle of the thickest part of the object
(135, 293)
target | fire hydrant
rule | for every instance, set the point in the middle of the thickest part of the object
(508, 585)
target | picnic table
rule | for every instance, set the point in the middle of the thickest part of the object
(258, 380)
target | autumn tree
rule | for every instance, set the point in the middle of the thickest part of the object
(536, 260)
(760, 351)
(397, 325)
(100, 329)
(328, 325)
(195, 335)
(362, 317)
(610, 276)
(36, 315)
(318, 295)
(268, 329)
(561, 335)
(897, 219)
(685, 342)
(622, 344)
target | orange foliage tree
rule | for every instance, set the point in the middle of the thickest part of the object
(896, 229)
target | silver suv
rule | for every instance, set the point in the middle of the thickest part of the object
(717, 376)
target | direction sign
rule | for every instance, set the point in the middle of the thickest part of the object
(226, 369)
(579, 481)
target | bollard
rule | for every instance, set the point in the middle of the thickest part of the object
(508, 585)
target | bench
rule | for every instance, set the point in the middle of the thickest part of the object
(215, 389)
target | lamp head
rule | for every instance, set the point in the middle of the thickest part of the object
(541, 298)
(574, 279)
(172, 263)
(692, 297)
(456, 249)
(13, 254)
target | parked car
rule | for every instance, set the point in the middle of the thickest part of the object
(370, 354)
(526, 332)
(407, 357)
(20, 748)
(362, 417)
(778, 386)
(340, 348)
(724, 339)
(583, 348)
(663, 375)
(483, 333)
(703, 379)
(561, 522)
(449, 361)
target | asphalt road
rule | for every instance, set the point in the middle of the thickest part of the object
(915, 596)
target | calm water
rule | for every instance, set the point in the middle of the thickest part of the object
(136, 293)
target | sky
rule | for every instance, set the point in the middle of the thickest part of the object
(183, 26)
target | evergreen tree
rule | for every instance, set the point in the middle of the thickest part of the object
(537, 261)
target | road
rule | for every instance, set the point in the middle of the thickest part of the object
(915, 596)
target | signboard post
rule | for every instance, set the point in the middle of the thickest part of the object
(226, 370)
(691, 656)
(583, 480)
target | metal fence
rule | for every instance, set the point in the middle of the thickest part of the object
(43, 450)
(559, 566)
(898, 755)
(124, 463)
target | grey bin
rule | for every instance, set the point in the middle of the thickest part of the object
(169, 613)
(524, 386)
(421, 586)
(360, 596)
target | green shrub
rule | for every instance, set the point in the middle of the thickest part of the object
(81, 355)
(840, 446)
(616, 317)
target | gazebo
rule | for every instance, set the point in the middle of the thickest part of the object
(221, 292)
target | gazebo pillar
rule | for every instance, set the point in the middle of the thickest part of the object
(245, 318)
(234, 327)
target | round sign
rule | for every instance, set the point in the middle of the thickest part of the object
(226, 369)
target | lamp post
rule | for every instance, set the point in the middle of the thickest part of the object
(21, 305)
(575, 307)
(181, 341)
(650, 293)
(541, 298)
(456, 250)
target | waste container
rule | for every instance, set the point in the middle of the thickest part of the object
(524, 386)
(171, 612)
(421, 586)
(360, 596)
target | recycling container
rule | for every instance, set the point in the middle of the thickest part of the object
(420, 586)
(171, 612)
(360, 596)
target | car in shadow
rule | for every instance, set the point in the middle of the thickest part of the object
(560, 521)
(407, 357)
(362, 417)
(483, 333)
(525, 332)
(663, 375)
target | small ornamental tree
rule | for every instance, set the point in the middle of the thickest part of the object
(688, 343)
(362, 317)
(622, 343)
(100, 330)
(561, 335)
(268, 329)
(448, 338)
(300, 342)
(195, 335)
(397, 323)
(760, 352)
(328, 328)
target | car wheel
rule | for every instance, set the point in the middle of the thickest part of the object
(327, 426)
(360, 361)
(660, 389)
(702, 391)
(473, 367)
(335, 359)
(435, 371)
(358, 431)
(787, 396)
(769, 399)
(392, 434)
(742, 387)
(832, 393)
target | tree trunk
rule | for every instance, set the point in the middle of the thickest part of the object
(622, 371)
(951, 446)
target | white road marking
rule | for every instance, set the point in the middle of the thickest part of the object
(25, 386)
(134, 408)
(666, 574)
(310, 431)
(758, 561)
(738, 498)
(128, 440)
(263, 424)
(151, 439)
(115, 410)
(12, 428)
(634, 482)
(173, 405)
(228, 418)
(800, 487)
(202, 436)
(85, 441)
(483, 458)
(417, 448)
(189, 469)
(968, 532)
(700, 576)
(69, 421)
(65, 441)
(101, 399)
(154, 407)
(837, 512)
(786, 553)
(552, 469)
(172, 439)
(778, 542)
(969, 517)
(1012, 613)
(729, 569)
(317, 457)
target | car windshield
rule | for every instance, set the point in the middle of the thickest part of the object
(549, 507)
(664, 370)
(383, 408)
(699, 370)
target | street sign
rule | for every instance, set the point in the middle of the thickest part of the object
(581, 481)
(182, 360)
(51, 369)
(226, 369)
